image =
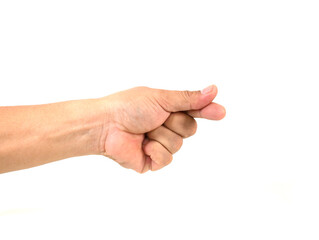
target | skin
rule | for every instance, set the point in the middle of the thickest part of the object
(140, 128)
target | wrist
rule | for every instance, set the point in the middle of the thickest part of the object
(101, 119)
(91, 115)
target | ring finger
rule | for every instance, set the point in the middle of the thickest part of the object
(169, 139)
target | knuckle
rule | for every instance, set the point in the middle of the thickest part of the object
(189, 97)
(165, 160)
(191, 128)
(168, 160)
(186, 96)
(162, 98)
(178, 144)
(160, 159)
(142, 88)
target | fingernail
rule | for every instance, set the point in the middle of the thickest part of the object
(208, 89)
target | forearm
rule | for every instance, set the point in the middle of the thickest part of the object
(39, 134)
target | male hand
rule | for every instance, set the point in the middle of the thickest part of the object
(144, 127)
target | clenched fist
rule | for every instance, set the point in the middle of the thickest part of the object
(144, 127)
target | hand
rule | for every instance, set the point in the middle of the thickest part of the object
(144, 126)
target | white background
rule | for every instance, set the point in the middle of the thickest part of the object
(253, 175)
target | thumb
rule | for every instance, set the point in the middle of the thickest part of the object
(175, 101)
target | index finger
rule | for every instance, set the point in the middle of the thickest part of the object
(212, 111)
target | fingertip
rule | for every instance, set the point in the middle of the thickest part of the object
(223, 112)
(215, 90)
(207, 96)
(220, 112)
